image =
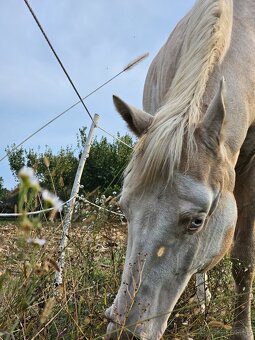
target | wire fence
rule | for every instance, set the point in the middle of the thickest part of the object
(38, 212)
(129, 66)
(126, 68)
(76, 185)
(32, 213)
(100, 207)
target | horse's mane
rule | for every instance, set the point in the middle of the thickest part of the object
(205, 42)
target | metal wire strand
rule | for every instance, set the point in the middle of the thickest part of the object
(57, 57)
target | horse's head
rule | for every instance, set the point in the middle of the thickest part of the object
(177, 226)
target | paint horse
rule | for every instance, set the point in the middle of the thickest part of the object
(188, 191)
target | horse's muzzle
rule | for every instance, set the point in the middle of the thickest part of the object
(114, 333)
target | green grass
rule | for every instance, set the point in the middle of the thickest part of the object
(94, 261)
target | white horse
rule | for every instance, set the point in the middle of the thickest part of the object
(189, 187)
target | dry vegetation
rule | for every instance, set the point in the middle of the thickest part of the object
(29, 309)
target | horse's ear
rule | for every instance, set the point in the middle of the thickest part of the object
(212, 124)
(138, 121)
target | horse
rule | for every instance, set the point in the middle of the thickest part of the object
(188, 191)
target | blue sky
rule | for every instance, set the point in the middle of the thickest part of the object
(95, 40)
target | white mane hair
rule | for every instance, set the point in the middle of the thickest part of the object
(205, 43)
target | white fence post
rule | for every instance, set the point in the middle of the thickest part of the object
(70, 207)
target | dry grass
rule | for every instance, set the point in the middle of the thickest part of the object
(95, 253)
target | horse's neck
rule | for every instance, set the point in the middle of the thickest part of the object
(238, 67)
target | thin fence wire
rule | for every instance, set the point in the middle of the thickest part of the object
(114, 137)
(63, 204)
(57, 57)
(34, 212)
(100, 207)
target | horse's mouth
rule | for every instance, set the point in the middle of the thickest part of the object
(116, 330)
(114, 333)
(110, 318)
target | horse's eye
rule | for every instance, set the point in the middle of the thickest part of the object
(196, 223)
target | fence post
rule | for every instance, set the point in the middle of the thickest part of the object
(70, 207)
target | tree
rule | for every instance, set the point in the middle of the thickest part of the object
(3, 191)
(56, 172)
(106, 163)
(16, 158)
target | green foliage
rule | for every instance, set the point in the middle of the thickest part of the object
(16, 159)
(3, 190)
(103, 169)
(55, 172)
(106, 164)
